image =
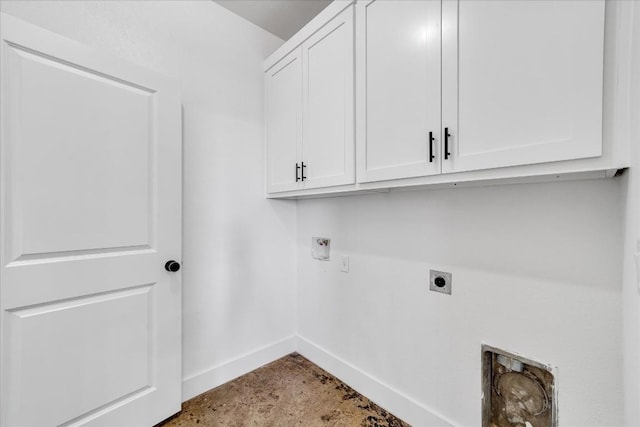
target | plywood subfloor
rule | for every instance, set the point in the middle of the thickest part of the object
(288, 392)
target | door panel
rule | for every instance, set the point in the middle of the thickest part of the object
(91, 205)
(62, 347)
(534, 96)
(284, 122)
(398, 58)
(65, 134)
(328, 123)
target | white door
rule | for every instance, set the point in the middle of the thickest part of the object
(90, 212)
(328, 149)
(398, 66)
(283, 83)
(521, 81)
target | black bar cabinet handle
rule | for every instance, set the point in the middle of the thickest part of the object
(303, 176)
(431, 139)
(297, 169)
(446, 143)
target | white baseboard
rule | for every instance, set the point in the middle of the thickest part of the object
(391, 400)
(196, 384)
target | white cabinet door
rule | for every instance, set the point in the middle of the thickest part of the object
(284, 123)
(522, 81)
(398, 66)
(328, 105)
(90, 212)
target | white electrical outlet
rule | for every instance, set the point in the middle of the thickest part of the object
(440, 281)
(344, 264)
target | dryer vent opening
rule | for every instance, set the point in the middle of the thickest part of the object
(516, 391)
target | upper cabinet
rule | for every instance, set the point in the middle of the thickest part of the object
(521, 82)
(398, 89)
(283, 84)
(441, 92)
(310, 111)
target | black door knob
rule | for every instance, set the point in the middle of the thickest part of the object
(172, 266)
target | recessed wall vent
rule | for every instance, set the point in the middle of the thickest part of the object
(516, 391)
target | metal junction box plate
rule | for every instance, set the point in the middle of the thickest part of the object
(440, 281)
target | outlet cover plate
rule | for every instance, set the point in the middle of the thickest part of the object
(344, 263)
(433, 275)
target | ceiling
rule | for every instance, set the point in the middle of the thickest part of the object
(280, 17)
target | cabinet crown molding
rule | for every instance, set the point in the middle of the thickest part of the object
(326, 15)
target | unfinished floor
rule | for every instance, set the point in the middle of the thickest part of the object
(288, 392)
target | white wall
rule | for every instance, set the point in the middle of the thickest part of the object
(536, 270)
(630, 125)
(238, 247)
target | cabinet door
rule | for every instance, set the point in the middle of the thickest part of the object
(522, 81)
(398, 65)
(328, 123)
(284, 122)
